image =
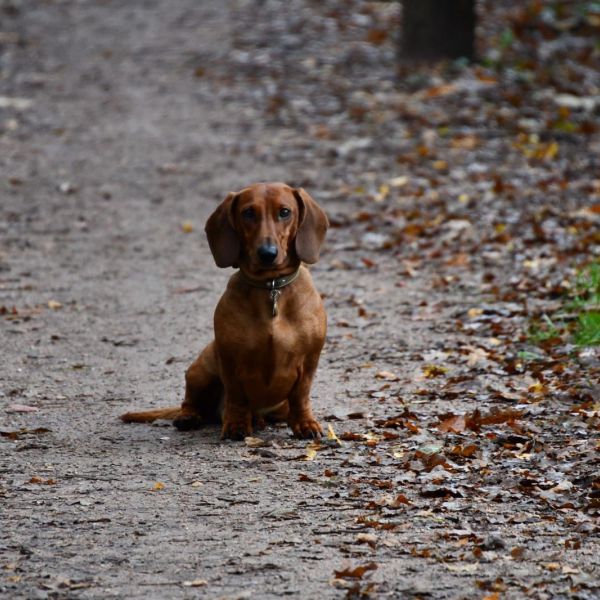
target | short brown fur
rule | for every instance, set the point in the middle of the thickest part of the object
(259, 365)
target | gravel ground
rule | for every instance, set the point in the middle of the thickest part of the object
(124, 124)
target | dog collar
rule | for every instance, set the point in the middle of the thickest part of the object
(274, 286)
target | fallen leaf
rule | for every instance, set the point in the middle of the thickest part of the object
(15, 435)
(357, 572)
(367, 538)
(311, 450)
(374, 524)
(425, 553)
(39, 480)
(431, 371)
(331, 435)
(453, 423)
(464, 451)
(440, 90)
(350, 436)
(567, 570)
(495, 417)
(398, 501)
(376, 36)
(255, 442)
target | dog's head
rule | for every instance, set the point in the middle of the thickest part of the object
(266, 229)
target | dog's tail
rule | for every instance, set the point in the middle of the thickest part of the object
(147, 416)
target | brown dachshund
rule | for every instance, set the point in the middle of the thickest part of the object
(269, 324)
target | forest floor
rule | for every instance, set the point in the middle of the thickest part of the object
(459, 382)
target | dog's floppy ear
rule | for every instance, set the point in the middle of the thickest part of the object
(312, 226)
(222, 237)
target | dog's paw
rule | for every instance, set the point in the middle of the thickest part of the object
(235, 430)
(259, 423)
(187, 422)
(306, 429)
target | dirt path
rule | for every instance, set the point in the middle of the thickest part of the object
(137, 117)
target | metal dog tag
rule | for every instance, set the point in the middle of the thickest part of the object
(274, 296)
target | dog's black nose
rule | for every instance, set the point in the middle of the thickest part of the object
(267, 253)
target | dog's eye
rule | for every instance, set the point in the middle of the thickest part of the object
(248, 214)
(284, 213)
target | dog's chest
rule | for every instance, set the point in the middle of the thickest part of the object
(267, 354)
(273, 352)
(268, 358)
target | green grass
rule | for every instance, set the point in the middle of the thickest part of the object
(583, 310)
(587, 303)
(588, 329)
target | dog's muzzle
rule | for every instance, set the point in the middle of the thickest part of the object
(267, 253)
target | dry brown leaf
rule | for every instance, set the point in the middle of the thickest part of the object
(357, 572)
(349, 436)
(440, 90)
(454, 424)
(399, 501)
(367, 538)
(464, 451)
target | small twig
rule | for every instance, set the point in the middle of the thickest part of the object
(161, 583)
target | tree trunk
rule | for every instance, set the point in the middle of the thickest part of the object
(435, 29)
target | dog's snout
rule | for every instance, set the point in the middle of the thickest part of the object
(267, 253)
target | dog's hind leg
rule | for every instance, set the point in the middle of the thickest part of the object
(203, 393)
(203, 398)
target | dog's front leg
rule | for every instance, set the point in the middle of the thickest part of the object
(237, 416)
(300, 418)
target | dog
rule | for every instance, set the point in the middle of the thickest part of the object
(270, 323)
